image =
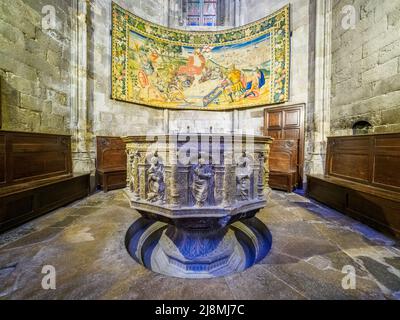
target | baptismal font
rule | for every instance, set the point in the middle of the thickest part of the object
(198, 195)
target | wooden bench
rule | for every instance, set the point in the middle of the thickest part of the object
(283, 165)
(362, 179)
(36, 176)
(111, 163)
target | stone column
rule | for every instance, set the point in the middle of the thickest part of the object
(229, 184)
(321, 112)
(142, 176)
(175, 191)
(239, 13)
(219, 184)
(82, 144)
(134, 173)
(175, 14)
(266, 171)
(259, 182)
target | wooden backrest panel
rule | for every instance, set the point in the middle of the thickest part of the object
(111, 153)
(345, 152)
(342, 166)
(32, 156)
(386, 161)
(2, 159)
(283, 155)
(369, 159)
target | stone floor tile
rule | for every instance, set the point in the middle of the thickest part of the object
(85, 242)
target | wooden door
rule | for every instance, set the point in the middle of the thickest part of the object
(287, 123)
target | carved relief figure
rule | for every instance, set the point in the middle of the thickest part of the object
(243, 174)
(155, 180)
(202, 181)
(133, 173)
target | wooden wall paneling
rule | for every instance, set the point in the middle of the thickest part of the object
(369, 159)
(276, 134)
(274, 120)
(291, 134)
(111, 152)
(33, 156)
(33, 200)
(1, 103)
(287, 123)
(362, 179)
(377, 208)
(292, 118)
(320, 190)
(2, 159)
(36, 176)
(111, 163)
(283, 164)
(386, 158)
(343, 153)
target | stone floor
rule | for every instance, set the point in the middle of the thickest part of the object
(311, 247)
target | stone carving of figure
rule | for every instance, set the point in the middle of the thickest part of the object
(243, 174)
(133, 174)
(155, 180)
(202, 181)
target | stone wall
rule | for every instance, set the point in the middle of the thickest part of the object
(200, 121)
(35, 67)
(38, 69)
(301, 69)
(111, 117)
(252, 119)
(117, 118)
(93, 112)
(366, 67)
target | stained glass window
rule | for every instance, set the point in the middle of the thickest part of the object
(201, 12)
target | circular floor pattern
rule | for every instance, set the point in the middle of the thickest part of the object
(156, 246)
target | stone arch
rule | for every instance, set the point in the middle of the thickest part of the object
(361, 127)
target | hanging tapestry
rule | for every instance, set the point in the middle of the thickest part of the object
(167, 68)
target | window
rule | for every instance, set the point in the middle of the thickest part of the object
(201, 12)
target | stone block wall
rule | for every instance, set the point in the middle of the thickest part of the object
(35, 67)
(38, 68)
(112, 117)
(366, 67)
(253, 118)
(200, 121)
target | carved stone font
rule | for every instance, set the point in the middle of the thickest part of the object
(198, 200)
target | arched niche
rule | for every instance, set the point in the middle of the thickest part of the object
(361, 127)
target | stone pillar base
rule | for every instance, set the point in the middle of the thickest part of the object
(198, 254)
(201, 253)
